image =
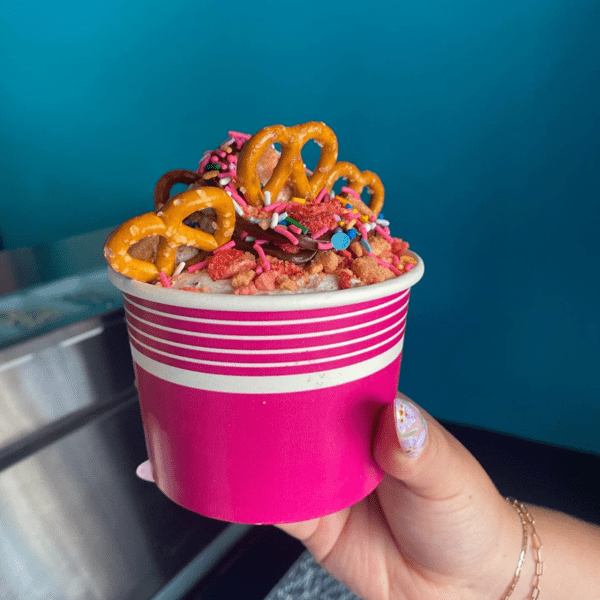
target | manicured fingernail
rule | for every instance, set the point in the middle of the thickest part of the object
(411, 427)
(144, 471)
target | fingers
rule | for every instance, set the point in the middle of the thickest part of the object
(144, 471)
(318, 535)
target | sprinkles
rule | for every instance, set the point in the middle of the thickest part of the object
(198, 266)
(302, 228)
(226, 246)
(287, 234)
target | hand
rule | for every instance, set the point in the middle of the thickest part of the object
(436, 527)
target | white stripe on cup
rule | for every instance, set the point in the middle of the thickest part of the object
(347, 315)
(270, 384)
(270, 351)
(293, 363)
(291, 336)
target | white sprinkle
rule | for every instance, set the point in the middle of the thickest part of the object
(282, 216)
(179, 268)
(383, 222)
(238, 208)
(274, 220)
(267, 198)
(249, 238)
(225, 180)
(332, 195)
(228, 142)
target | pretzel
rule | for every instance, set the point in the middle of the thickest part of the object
(163, 186)
(357, 180)
(168, 224)
(290, 165)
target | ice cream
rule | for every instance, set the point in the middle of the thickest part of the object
(293, 240)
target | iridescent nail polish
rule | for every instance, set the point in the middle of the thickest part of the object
(411, 427)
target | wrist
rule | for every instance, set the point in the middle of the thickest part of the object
(516, 541)
(524, 584)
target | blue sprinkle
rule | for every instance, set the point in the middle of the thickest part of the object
(380, 216)
(351, 233)
(340, 241)
(283, 222)
(366, 245)
(348, 205)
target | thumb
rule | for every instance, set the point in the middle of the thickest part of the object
(416, 450)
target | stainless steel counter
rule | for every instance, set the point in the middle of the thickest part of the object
(75, 521)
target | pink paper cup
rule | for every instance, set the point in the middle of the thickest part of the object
(262, 409)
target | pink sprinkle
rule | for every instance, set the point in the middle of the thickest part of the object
(214, 159)
(244, 136)
(408, 266)
(324, 245)
(318, 234)
(221, 153)
(295, 229)
(287, 234)
(164, 280)
(263, 258)
(372, 218)
(259, 270)
(245, 234)
(350, 191)
(395, 260)
(235, 195)
(239, 138)
(273, 206)
(386, 264)
(232, 159)
(363, 230)
(379, 229)
(227, 174)
(198, 266)
(226, 246)
(261, 242)
(203, 163)
(321, 195)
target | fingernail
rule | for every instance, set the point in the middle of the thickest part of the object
(144, 471)
(411, 427)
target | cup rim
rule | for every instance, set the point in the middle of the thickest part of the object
(283, 302)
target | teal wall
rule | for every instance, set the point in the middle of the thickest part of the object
(481, 118)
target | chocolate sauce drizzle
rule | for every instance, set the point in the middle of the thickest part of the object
(309, 245)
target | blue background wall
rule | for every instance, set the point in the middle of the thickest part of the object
(481, 119)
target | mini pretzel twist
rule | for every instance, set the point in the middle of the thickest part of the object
(168, 224)
(290, 165)
(358, 180)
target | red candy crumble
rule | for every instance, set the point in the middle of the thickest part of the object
(226, 263)
(315, 216)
